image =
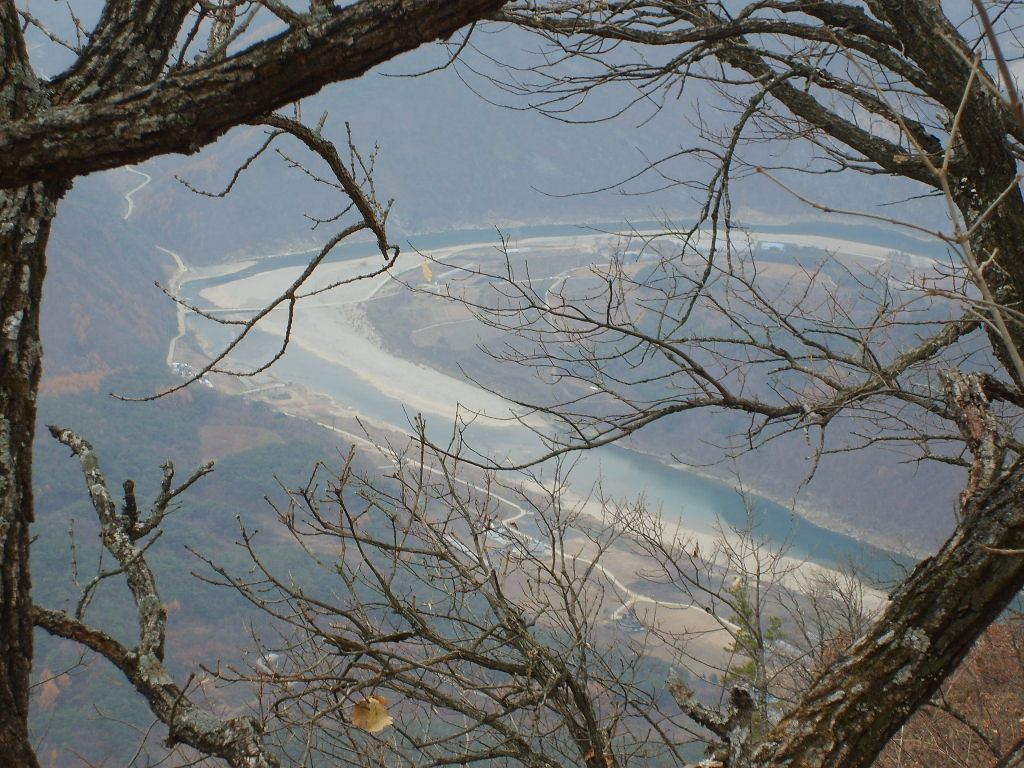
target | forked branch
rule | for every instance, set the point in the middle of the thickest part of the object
(239, 740)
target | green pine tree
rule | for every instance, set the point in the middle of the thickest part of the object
(749, 648)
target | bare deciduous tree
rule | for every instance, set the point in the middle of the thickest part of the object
(139, 86)
(889, 89)
(508, 621)
(933, 359)
(489, 617)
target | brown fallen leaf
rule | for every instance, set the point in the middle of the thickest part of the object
(371, 714)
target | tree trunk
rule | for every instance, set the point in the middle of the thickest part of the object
(128, 50)
(25, 216)
(932, 620)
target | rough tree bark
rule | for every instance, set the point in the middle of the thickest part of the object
(119, 104)
(25, 217)
(125, 123)
(933, 619)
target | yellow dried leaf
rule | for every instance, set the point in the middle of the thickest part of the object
(371, 714)
(428, 274)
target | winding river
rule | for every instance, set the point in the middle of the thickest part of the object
(389, 394)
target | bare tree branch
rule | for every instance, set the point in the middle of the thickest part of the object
(239, 740)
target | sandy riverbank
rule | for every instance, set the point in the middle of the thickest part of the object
(684, 634)
(332, 327)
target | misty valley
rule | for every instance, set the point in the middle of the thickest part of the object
(440, 383)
